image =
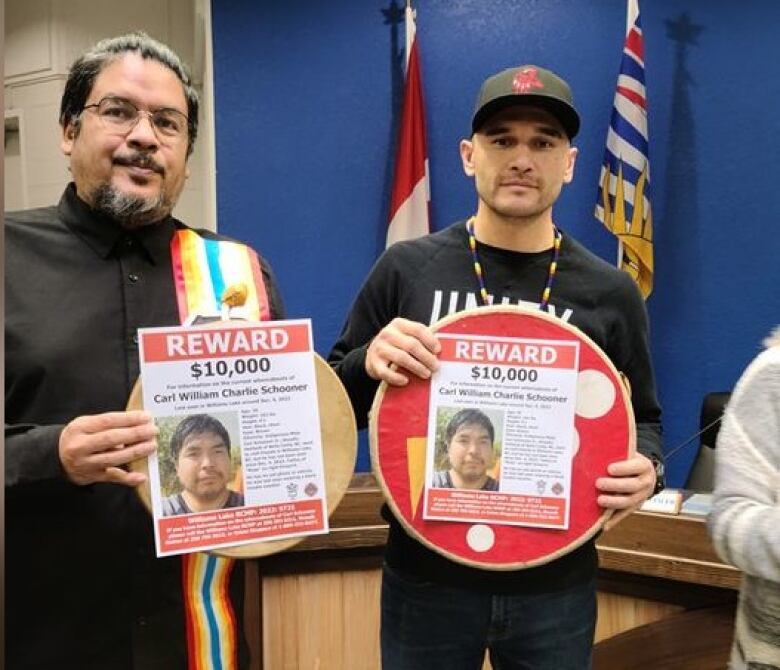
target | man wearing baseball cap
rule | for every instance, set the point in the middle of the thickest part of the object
(437, 613)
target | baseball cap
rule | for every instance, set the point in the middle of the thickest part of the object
(526, 85)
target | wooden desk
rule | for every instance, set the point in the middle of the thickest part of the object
(665, 598)
(665, 546)
(319, 604)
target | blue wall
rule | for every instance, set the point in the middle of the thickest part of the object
(307, 94)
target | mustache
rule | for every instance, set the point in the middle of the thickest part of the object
(508, 181)
(140, 160)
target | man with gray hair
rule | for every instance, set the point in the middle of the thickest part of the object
(85, 589)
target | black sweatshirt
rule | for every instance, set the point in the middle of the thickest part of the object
(431, 277)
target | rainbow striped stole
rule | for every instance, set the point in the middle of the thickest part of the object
(202, 269)
(212, 631)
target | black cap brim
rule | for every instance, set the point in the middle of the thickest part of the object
(566, 114)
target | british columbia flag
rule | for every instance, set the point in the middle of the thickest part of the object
(623, 203)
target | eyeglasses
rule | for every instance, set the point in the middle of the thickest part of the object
(120, 116)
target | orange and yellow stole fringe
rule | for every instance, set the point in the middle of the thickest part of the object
(202, 269)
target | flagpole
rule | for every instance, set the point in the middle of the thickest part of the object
(410, 30)
(632, 9)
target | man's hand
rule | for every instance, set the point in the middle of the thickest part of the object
(93, 448)
(629, 484)
(405, 345)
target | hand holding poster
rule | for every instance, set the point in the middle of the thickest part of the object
(240, 456)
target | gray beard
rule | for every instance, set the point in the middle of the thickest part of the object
(129, 210)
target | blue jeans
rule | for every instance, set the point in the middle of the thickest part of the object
(427, 626)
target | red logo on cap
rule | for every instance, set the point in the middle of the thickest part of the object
(525, 80)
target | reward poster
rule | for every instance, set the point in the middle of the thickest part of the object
(501, 431)
(239, 457)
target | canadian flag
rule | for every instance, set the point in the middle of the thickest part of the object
(411, 193)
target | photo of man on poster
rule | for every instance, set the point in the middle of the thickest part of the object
(200, 452)
(469, 438)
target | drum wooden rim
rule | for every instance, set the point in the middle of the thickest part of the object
(412, 526)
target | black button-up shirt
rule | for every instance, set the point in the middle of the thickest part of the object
(83, 586)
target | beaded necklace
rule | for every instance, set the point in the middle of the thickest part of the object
(481, 277)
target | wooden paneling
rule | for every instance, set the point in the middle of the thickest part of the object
(321, 601)
(320, 621)
(621, 613)
(281, 632)
(667, 546)
(331, 620)
(361, 621)
(689, 640)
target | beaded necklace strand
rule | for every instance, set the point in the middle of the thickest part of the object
(481, 277)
